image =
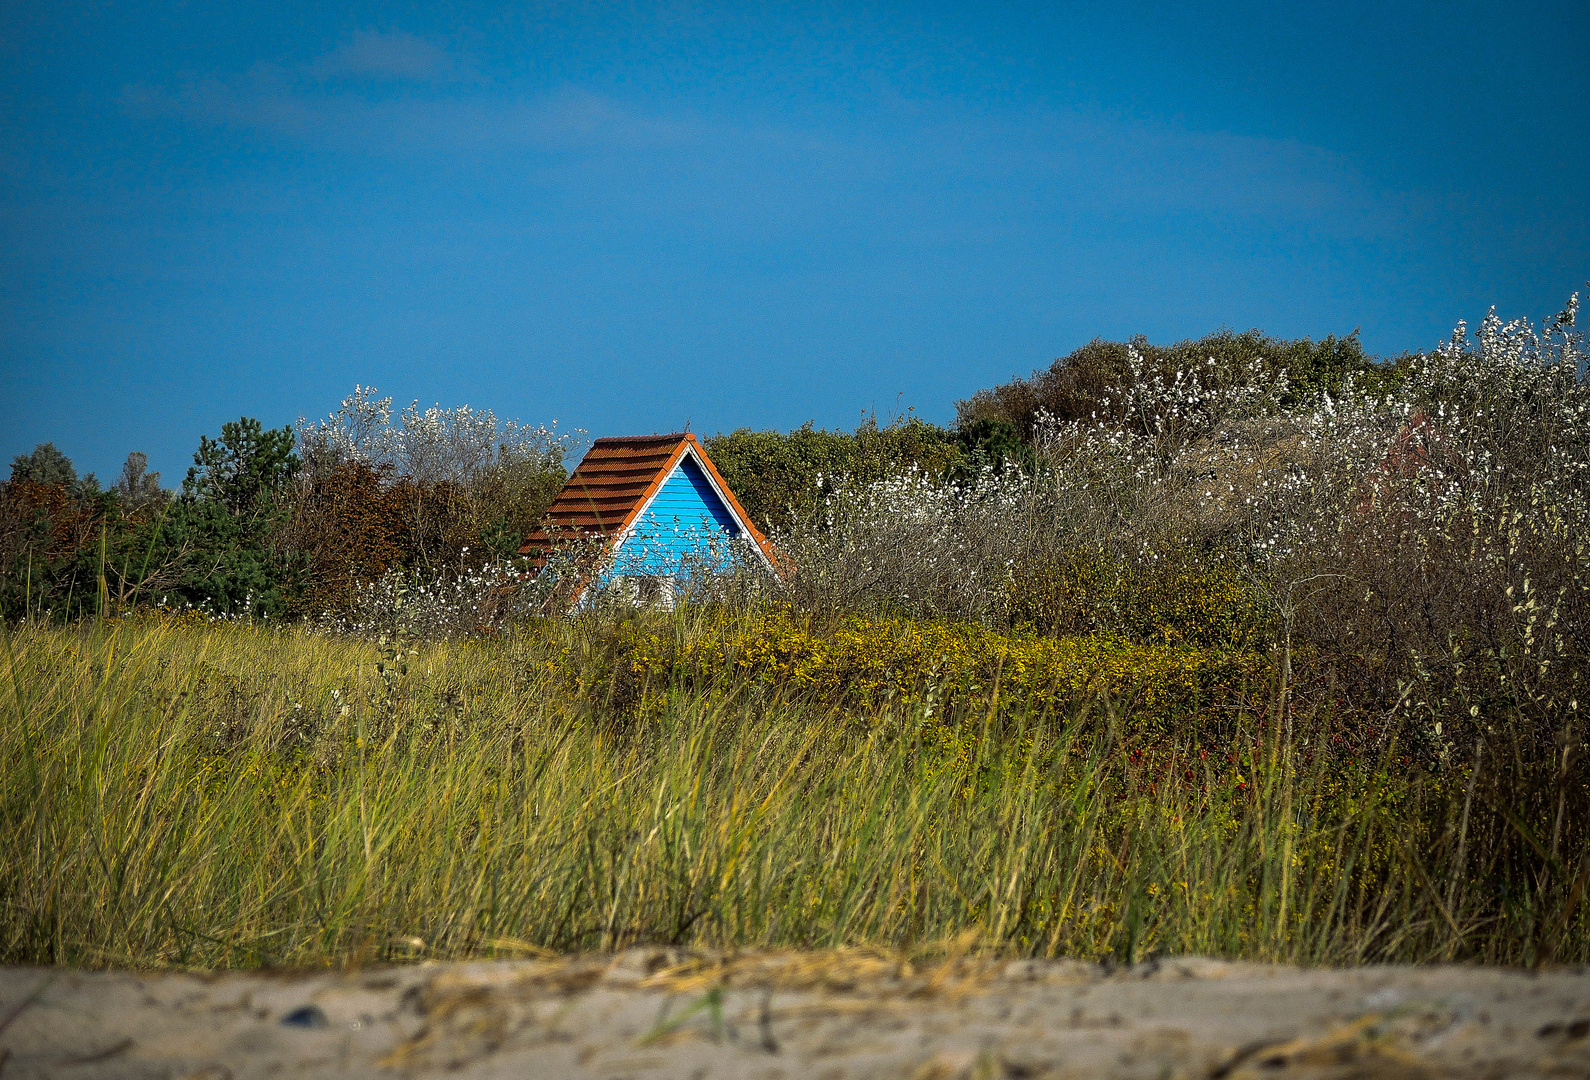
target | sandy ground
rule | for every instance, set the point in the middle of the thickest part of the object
(659, 1013)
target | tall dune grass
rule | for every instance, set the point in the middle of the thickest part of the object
(224, 796)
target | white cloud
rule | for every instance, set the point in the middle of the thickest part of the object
(394, 93)
(335, 113)
(398, 95)
(385, 55)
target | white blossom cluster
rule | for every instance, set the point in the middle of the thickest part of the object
(465, 604)
(1481, 454)
(433, 445)
(1194, 402)
(913, 542)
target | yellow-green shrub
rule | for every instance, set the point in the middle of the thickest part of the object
(1178, 600)
(863, 661)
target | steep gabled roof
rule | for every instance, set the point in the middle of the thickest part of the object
(614, 483)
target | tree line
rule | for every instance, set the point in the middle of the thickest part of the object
(275, 523)
(288, 522)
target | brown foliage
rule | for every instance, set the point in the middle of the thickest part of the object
(72, 524)
(355, 522)
(352, 526)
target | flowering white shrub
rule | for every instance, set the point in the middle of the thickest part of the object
(1432, 532)
(466, 604)
(1194, 402)
(668, 564)
(358, 431)
(433, 445)
(913, 542)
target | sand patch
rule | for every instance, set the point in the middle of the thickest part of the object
(838, 1014)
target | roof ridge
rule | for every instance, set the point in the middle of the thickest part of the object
(673, 436)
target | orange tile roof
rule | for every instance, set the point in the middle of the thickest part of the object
(613, 482)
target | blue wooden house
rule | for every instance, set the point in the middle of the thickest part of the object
(647, 511)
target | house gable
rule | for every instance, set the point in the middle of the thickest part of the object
(685, 521)
(653, 503)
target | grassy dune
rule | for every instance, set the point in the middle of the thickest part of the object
(226, 796)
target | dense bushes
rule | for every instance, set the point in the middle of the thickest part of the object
(1397, 527)
(1178, 600)
(1410, 533)
(779, 478)
(927, 667)
(1408, 555)
(1088, 383)
(279, 523)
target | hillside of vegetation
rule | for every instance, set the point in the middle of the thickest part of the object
(1240, 646)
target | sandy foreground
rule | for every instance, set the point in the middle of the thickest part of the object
(663, 1013)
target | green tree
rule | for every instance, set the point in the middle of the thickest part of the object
(220, 538)
(229, 564)
(244, 469)
(47, 465)
(988, 442)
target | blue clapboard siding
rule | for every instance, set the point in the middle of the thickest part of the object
(681, 522)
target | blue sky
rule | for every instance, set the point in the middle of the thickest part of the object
(627, 217)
